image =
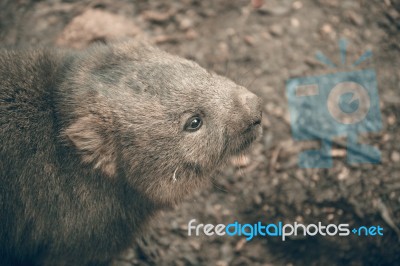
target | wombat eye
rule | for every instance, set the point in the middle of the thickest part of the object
(193, 124)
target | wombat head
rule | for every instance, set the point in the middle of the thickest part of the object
(160, 121)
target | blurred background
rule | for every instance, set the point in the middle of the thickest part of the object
(260, 49)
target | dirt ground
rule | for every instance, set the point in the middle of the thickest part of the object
(259, 49)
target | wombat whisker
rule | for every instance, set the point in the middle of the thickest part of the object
(239, 78)
(251, 82)
(241, 158)
(226, 71)
(174, 176)
(213, 181)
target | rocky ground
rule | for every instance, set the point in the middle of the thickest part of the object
(260, 49)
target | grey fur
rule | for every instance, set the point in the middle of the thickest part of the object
(93, 144)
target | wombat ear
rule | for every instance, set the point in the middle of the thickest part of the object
(92, 145)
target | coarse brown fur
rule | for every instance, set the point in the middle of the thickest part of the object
(93, 143)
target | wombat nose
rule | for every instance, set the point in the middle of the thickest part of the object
(252, 106)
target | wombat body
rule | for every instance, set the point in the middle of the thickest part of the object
(93, 143)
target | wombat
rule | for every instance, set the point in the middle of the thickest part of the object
(94, 143)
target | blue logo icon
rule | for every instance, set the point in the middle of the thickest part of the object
(346, 103)
(334, 105)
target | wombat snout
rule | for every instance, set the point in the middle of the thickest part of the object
(252, 106)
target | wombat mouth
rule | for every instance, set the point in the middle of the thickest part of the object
(245, 145)
(248, 137)
(253, 126)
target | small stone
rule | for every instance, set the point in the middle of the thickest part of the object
(266, 35)
(249, 40)
(297, 5)
(395, 157)
(257, 199)
(221, 263)
(230, 32)
(209, 12)
(240, 244)
(313, 62)
(174, 225)
(157, 16)
(166, 39)
(344, 174)
(326, 29)
(217, 207)
(183, 227)
(355, 18)
(276, 30)
(196, 245)
(393, 14)
(386, 137)
(274, 11)
(391, 120)
(185, 24)
(226, 252)
(191, 34)
(338, 153)
(223, 48)
(226, 212)
(265, 208)
(299, 219)
(96, 25)
(256, 3)
(294, 22)
(164, 241)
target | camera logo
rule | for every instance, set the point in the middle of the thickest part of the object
(334, 105)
